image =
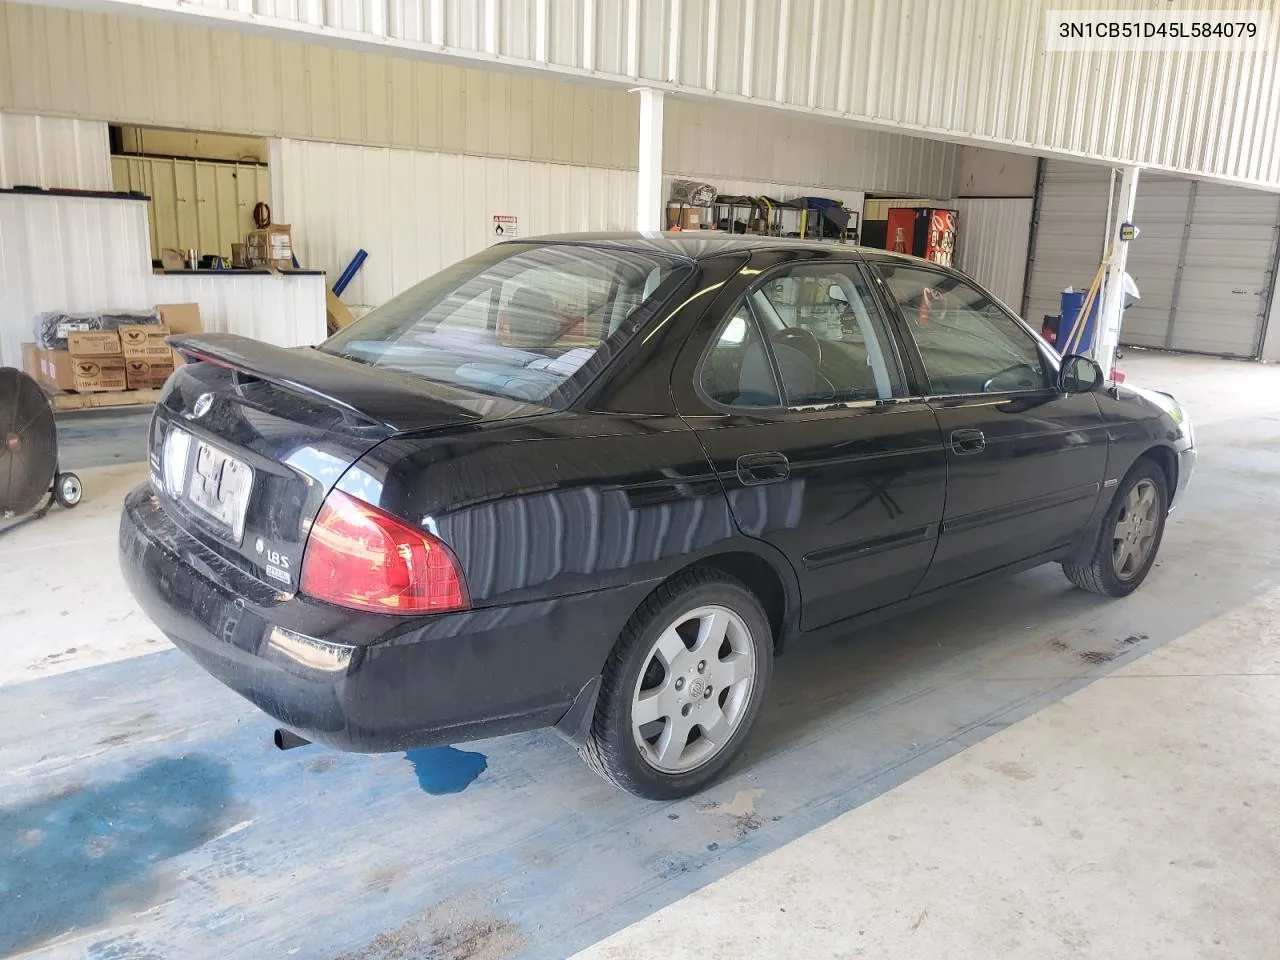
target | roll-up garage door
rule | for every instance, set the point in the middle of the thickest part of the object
(1227, 275)
(1069, 234)
(1203, 261)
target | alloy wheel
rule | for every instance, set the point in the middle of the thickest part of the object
(1135, 530)
(694, 689)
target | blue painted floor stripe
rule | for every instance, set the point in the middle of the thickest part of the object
(144, 813)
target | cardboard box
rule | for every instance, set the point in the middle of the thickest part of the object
(93, 374)
(690, 218)
(337, 315)
(57, 369)
(176, 358)
(93, 343)
(147, 374)
(31, 360)
(139, 341)
(180, 317)
(270, 247)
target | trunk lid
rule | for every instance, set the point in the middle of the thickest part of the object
(249, 438)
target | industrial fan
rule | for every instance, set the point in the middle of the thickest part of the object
(29, 452)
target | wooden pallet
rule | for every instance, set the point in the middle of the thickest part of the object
(66, 402)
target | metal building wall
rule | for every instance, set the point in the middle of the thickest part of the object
(992, 243)
(201, 204)
(287, 310)
(67, 253)
(53, 152)
(132, 69)
(725, 141)
(147, 71)
(975, 70)
(417, 211)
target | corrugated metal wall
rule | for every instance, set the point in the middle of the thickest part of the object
(1203, 261)
(974, 69)
(202, 204)
(53, 152)
(148, 71)
(992, 244)
(417, 211)
(724, 141)
(285, 310)
(67, 253)
(157, 72)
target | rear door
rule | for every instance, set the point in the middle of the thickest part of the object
(797, 393)
(1025, 462)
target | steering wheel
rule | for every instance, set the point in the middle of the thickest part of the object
(986, 387)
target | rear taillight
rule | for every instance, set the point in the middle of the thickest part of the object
(357, 556)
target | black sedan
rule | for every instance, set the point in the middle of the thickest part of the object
(598, 482)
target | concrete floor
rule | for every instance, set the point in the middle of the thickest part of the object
(921, 789)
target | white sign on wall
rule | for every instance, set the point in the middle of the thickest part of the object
(504, 227)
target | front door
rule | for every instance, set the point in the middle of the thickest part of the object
(800, 404)
(1025, 461)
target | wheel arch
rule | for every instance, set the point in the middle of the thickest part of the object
(1163, 457)
(770, 578)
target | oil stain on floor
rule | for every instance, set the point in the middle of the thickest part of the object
(73, 858)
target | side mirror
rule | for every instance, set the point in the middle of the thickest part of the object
(1079, 374)
(835, 293)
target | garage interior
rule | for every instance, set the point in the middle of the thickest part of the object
(1025, 769)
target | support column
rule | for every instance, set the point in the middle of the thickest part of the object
(1108, 338)
(649, 181)
(1270, 348)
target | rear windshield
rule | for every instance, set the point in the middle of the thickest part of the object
(529, 322)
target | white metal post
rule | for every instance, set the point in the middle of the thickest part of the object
(1107, 337)
(649, 181)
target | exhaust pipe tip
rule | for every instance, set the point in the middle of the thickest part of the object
(287, 740)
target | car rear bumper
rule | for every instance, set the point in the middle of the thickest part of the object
(367, 682)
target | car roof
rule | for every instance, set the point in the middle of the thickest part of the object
(701, 244)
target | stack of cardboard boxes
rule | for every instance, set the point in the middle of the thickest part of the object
(131, 357)
(270, 247)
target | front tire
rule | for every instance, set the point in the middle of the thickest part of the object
(682, 687)
(1130, 535)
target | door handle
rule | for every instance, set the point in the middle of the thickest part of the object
(757, 468)
(968, 441)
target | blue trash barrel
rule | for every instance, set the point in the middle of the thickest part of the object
(1072, 302)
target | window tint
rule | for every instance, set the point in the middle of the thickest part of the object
(968, 344)
(827, 340)
(736, 371)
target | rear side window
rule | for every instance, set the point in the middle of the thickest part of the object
(737, 371)
(808, 335)
(517, 320)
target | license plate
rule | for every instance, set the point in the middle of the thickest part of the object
(220, 486)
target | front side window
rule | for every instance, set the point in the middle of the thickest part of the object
(517, 320)
(967, 343)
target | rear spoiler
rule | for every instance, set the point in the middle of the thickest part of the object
(397, 401)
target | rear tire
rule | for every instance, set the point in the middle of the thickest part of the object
(1129, 536)
(682, 687)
